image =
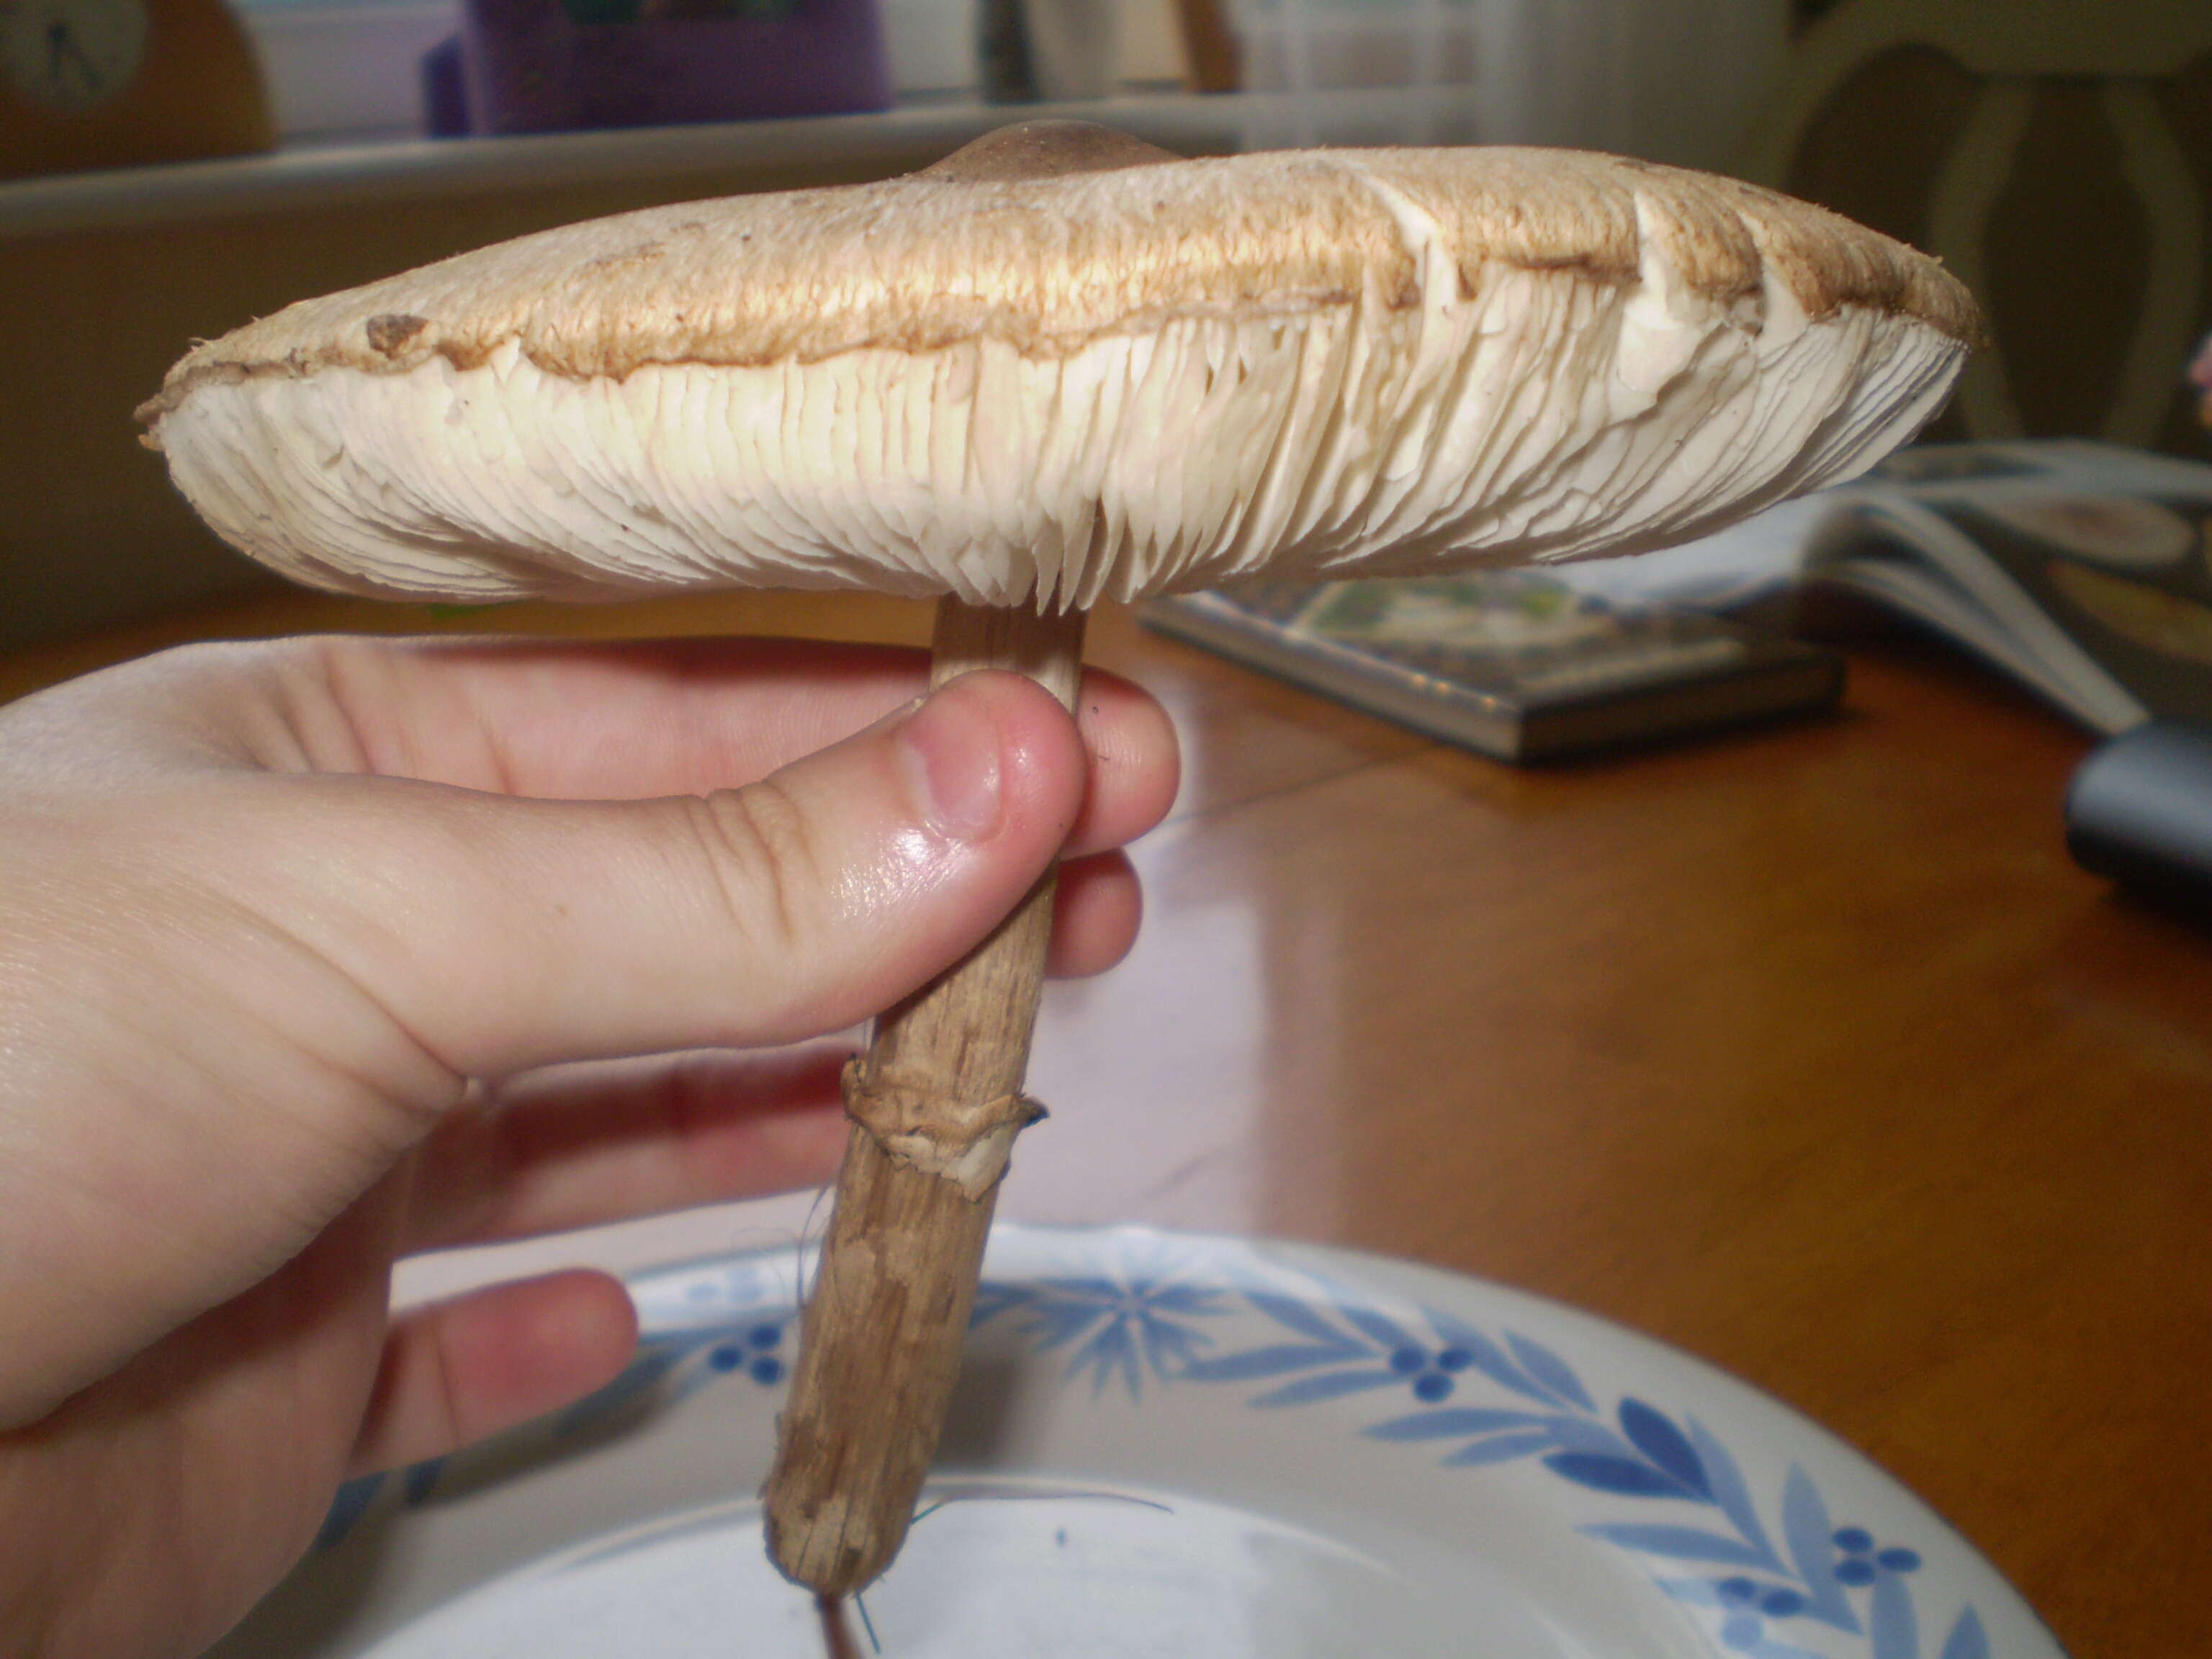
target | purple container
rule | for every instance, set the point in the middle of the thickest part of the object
(560, 66)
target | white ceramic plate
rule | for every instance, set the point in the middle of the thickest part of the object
(1175, 1446)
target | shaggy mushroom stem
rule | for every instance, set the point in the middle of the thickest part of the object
(936, 1103)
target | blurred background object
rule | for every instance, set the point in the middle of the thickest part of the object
(531, 66)
(2056, 155)
(115, 83)
(1668, 80)
(1053, 49)
(2200, 376)
(2139, 810)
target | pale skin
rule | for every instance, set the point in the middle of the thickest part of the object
(303, 950)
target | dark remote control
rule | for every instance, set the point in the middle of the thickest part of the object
(2140, 812)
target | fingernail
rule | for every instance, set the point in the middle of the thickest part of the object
(949, 748)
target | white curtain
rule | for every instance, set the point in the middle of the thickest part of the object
(1668, 80)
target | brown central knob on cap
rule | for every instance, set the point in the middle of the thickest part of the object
(1045, 150)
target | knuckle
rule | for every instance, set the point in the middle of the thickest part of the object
(763, 860)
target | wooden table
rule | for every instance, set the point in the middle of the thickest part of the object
(1805, 1049)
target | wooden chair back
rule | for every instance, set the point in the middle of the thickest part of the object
(2057, 156)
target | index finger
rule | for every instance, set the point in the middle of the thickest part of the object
(639, 720)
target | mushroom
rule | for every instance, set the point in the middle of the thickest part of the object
(1059, 367)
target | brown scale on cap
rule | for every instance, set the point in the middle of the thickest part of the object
(921, 262)
(389, 333)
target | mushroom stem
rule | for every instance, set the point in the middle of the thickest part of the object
(936, 1103)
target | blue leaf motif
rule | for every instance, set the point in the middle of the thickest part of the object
(1329, 1385)
(1894, 1631)
(1579, 1434)
(1717, 1592)
(1289, 1311)
(1103, 1291)
(689, 1377)
(1724, 1481)
(1549, 1370)
(1256, 1363)
(1624, 1475)
(1499, 1449)
(630, 1389)
(1055, 1324)
(1170, 1349)
(1186, 1299)
(1341, 1345)
(1805, 1529)
(1679, 1544)
(1651, 1433)
(1485, 1356)
(1966, 1639)
(1381, 1330)
(1110, 1353)
(1123, 1357)
(1765, 1647)
(347, 1507)
(420, 1478)
(1452, 1425)
(992, 1299)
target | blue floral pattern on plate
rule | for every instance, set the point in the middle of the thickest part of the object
(1764, 1573)
(1338, 1345)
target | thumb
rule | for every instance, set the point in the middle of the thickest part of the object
(531, 932)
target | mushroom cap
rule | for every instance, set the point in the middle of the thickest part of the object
(1053, 390)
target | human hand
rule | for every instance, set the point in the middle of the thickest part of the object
(290, 935)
